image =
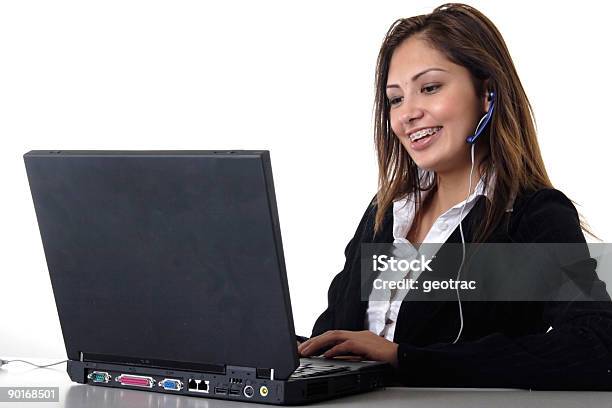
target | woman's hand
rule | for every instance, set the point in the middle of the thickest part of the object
(363, 343)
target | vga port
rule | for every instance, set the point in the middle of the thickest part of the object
(171, 384)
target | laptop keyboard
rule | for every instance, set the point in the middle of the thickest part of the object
(312, 369)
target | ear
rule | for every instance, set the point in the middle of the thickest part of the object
(487, 96)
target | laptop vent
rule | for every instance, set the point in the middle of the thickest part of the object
(346, 385)
(316, 388)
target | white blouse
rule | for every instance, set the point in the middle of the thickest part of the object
(381, 314)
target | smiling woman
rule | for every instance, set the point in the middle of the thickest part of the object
(433, 97)
(438, 70)
(457, 145)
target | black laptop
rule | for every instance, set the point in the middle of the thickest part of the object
(169, 276)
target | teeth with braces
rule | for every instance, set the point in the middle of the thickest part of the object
(424, 132)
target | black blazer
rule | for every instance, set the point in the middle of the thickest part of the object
(503, 344)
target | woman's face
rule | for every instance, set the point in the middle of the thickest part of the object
(427, 91)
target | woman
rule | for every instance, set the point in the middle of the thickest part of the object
(443, 78)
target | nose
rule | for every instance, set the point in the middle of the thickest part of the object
(409, 112)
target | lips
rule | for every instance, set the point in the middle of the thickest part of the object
(425, 142)
(423, 132)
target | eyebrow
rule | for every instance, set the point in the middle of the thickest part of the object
(414, 78)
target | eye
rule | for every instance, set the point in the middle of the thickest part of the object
(429, 89)
(395, 100)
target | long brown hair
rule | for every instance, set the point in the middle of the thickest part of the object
(467, 38)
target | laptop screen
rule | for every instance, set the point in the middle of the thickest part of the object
(166, 256)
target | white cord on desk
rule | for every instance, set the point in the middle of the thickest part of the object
(4, 362)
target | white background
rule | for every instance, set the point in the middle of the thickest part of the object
(294, 78)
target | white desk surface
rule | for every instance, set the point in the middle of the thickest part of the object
(78, 395)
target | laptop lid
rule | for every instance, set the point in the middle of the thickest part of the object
(166, 258)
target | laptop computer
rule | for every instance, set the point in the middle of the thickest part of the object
(168, 273)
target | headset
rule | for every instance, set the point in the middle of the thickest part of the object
(484, 121)
(482, 124)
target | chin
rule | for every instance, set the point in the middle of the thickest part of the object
(426, 164)
(427, 167)
(435, 160)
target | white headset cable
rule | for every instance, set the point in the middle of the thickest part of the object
(463, 245)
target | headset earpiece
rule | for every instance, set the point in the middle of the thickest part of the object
(484, 121)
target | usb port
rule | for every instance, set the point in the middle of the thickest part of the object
(234, 391)
(220, 390)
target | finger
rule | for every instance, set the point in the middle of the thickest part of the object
(314, 347)
(312, 340)
(346, 347)
(329, 338)
(308, 341)
(303, 344)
